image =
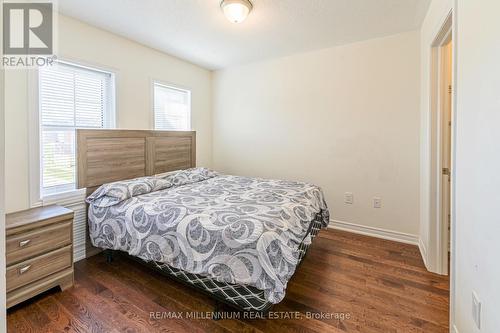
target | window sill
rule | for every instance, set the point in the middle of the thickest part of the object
(63, 198)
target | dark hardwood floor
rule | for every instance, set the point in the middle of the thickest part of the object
(376, 285)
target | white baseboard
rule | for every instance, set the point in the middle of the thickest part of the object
(423, 251)
(375, 232)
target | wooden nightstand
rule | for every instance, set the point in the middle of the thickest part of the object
(39, 251)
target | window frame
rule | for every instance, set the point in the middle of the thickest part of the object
(35, 141)
(164, 84)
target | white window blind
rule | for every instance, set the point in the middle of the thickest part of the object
(70, 97)
(172, 108)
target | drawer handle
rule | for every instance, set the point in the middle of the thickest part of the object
(24, 242)
(24, 269)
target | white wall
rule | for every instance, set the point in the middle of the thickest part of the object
(345, 118)
(477, 247)
(135, 67)
(3, 291)
(434, 20)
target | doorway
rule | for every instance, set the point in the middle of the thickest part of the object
(441, 195)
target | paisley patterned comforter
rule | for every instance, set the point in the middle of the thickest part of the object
(233, 229)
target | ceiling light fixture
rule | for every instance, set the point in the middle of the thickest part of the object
(236, 11)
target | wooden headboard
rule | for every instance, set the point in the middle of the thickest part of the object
(106, 156)
(110, 155)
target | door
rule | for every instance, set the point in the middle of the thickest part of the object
(447, 92)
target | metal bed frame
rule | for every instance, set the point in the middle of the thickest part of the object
(238, 297)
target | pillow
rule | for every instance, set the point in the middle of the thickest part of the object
(113, 193)
(188, 176)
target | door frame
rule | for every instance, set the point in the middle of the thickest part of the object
(437, 259)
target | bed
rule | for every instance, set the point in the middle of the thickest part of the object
(238, 239)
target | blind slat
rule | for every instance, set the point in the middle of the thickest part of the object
(172, 108)
(70, 97)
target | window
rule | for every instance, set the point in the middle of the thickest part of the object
(70, 97)
(172, 108)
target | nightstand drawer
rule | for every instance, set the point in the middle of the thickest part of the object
(38, 241)
(34, 269)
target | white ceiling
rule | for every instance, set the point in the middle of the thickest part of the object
(196, 30)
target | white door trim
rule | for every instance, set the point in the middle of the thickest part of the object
(431, 161)
(438, 232)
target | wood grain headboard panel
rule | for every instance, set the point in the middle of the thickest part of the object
(105, 156)
(111, 155)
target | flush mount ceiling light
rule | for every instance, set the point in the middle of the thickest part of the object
(236, 11)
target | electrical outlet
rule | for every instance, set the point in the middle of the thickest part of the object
(348, 198)
(476, 310)
(377, 202)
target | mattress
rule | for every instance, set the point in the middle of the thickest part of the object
(231, 235)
